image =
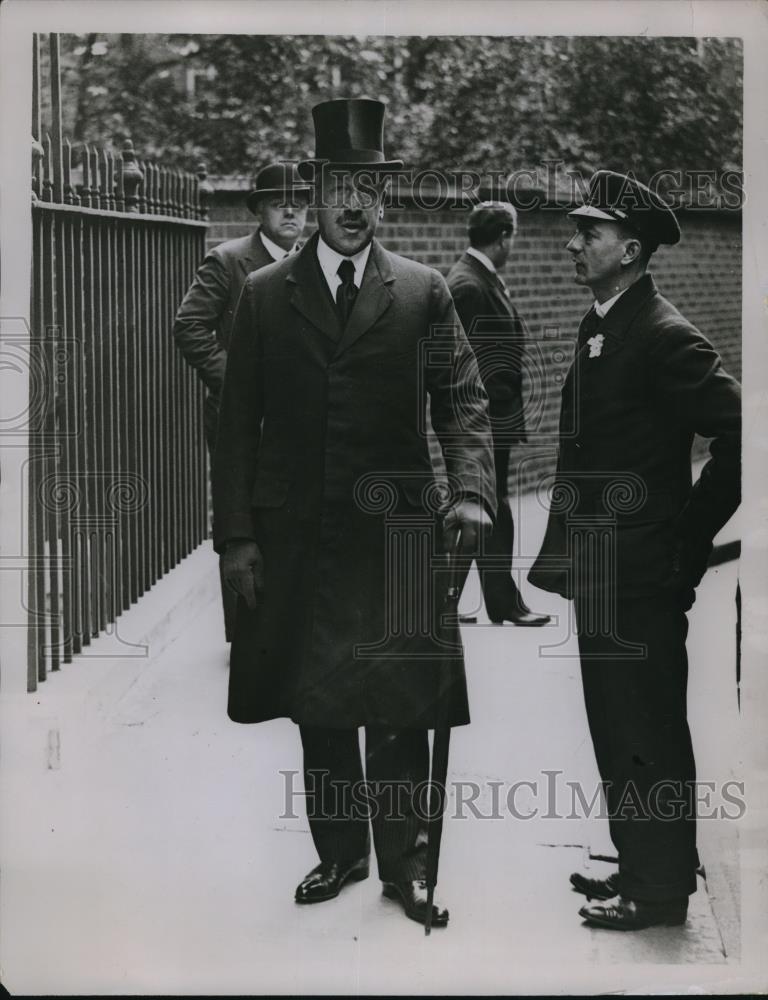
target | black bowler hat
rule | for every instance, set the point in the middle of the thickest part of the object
(277, 178)
(619, 198)
(349, 132)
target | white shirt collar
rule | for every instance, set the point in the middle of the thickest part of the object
(329, 261)
(275, 252)
(602, 308)
(485, 261)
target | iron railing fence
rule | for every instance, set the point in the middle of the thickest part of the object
(117, 461)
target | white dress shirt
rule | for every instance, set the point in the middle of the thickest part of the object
(602, 308)
(329, 264)
(485, 261)
(274, 251)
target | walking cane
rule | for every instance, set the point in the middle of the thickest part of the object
(440, 746)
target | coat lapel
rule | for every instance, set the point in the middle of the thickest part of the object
(620, 318)
(373, 299)
(310, 293)
(484, 275)
(256, 257)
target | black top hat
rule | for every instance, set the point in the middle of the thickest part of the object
(277, 178)
(349, 133)
(621, 198)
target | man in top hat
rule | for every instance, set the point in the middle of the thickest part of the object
(203, 323)
(496, 333)
(329, 522)
(628, 540)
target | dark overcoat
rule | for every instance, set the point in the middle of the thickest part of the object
(322, 458)
(496, 333)
(203, 323)
(625, 515)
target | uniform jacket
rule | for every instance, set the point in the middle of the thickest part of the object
(323, 459)
(204, 321)
(624, 512)
(496, 333)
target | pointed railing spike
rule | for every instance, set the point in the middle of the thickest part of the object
(156, 207)
(141, 191)
(132, 177)
(37, 146)
(152, 196)
(159, 194)
(47, 169)
(37, 159)
(96, 179)
(70, 197)
(85, 187)
(170, 193)
(205, 189)
(111, 170)
(119, 186)
(146, 188)
(195, 196)
(106, 180)
(176, 192)
(167, 195)
(56, 135)
(182, 193)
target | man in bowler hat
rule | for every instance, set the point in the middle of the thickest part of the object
(496, 333)
(629, 536)
(203, 325)
(323, 491)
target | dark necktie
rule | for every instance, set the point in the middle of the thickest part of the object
(588, 327)
(346, 293)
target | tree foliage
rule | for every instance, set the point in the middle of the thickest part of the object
(470, 102)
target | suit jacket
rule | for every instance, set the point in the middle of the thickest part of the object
(497, 335)
(323, 459)
(204, 321)
(625, 515)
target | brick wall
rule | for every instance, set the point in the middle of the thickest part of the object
(701, 275)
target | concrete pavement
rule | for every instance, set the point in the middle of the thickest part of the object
(144, 850)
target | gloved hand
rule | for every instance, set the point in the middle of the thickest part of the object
(472, 521)
(242, 569)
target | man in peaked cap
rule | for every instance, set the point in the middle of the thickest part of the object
(322, 487)
(203, 323)
(628, 539)
(496, 332)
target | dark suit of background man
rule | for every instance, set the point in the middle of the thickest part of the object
(629, 536)
(496, 334)
(322, 452)
(203, 324)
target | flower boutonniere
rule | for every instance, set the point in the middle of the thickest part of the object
(596, 345)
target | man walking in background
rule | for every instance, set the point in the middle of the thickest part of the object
(203, 323)
(628, 539)
(496, 333)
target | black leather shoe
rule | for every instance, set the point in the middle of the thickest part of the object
(413, 897)
(596, 888)
(327, 880)
(620, 914)
(518, 615)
